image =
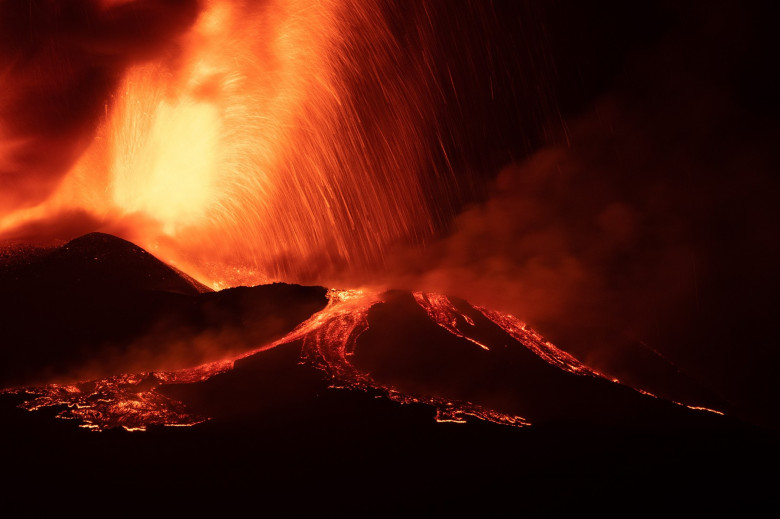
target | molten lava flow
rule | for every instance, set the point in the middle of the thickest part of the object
(536, 343)
(132, 401)
(330, 343)
(127, 401)
(701, 408)
(329, 339)
(279, 141)
(443, 313)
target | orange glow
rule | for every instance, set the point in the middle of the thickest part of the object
(329, 339)
(701, 408)
(279, 142)
(148, 176)
(536, 343)
(443, 313)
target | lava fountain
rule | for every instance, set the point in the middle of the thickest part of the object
(286, 139)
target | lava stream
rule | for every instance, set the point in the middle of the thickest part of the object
(329, 339)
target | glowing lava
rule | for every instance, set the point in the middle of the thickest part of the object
(328, 341)
(279, 142)
(132, 401)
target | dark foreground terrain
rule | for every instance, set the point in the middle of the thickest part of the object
(335, 451)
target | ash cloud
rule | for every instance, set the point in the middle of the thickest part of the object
(59, 63)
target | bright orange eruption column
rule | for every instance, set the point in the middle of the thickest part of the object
(281, 141)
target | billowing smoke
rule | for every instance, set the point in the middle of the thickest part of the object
(652, 223)
(59, 64)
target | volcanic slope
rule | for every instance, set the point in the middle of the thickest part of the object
(464, 362)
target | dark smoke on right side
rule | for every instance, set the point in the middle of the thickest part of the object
(646, 226)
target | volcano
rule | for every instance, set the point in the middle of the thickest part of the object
(606, 171)
(309, 383)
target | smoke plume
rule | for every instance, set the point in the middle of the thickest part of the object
(651, 223)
